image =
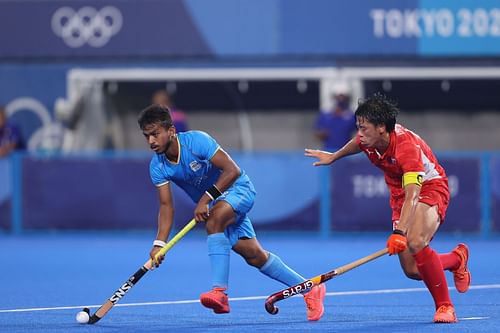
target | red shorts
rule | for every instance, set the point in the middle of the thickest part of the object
(432, 194)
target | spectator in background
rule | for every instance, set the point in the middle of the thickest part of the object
(337, 125)
(10, 135)
(162, 97)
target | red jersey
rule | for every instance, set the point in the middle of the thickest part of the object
(408, 154)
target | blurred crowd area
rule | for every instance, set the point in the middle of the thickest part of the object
(76, 78)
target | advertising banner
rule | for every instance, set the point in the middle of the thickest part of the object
(495, 193)
(360, 199)
(99, 192)
(222, 28)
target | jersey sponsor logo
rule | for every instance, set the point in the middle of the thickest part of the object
(298, 289)
(195, 166)
(86, 25)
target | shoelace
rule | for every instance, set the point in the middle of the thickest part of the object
(442, 309)
(461, 271)
(461, 275)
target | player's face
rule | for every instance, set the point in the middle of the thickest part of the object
(370, 134)
(159, 138)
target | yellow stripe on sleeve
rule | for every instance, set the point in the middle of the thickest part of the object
(412, 178)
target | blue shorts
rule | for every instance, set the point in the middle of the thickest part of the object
(241, 197)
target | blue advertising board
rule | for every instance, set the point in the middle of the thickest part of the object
(96, 191)
(360, 199)
(495, 193)
(228, 28)
(113, 191)
(5, 192)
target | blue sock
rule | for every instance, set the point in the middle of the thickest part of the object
(218, 252)
(277, 270)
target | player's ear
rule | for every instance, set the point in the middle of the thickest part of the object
(381, 128)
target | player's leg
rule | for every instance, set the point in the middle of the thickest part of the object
(272, 266)
(219, 248)
(456, 260)
(427, 261)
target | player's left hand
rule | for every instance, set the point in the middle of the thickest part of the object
(397, 242)
(324, 157)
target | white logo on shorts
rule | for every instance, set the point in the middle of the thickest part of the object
(87, 25)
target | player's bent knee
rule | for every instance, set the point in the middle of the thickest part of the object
(213, 227)
(416, 244)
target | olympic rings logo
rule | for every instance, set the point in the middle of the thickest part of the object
(87, 25)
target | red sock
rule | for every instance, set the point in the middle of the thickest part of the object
(449, 261)
(431, 271)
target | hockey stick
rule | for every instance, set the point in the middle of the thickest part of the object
(308, 284)
(101, 312)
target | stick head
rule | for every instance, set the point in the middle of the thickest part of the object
(94, 319)
(270, 308)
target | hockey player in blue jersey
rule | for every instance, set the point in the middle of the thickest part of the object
(224, 195)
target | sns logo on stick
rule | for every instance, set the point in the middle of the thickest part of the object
(122, 290)
(87, 25)
(305, 286)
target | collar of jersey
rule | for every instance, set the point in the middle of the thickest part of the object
(178, 154)
(390, 147)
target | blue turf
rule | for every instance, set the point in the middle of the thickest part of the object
(56, 270)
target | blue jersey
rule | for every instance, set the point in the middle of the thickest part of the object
(193, 171)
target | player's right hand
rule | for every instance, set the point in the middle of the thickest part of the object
(397, 242)
(324, 157)
(152, 254)
(201, 212)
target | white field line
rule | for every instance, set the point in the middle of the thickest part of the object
(250, 298)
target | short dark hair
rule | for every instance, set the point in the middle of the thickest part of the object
(154, 114)
(378, 110)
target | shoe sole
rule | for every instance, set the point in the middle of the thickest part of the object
(445, 321)
(214, 305)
